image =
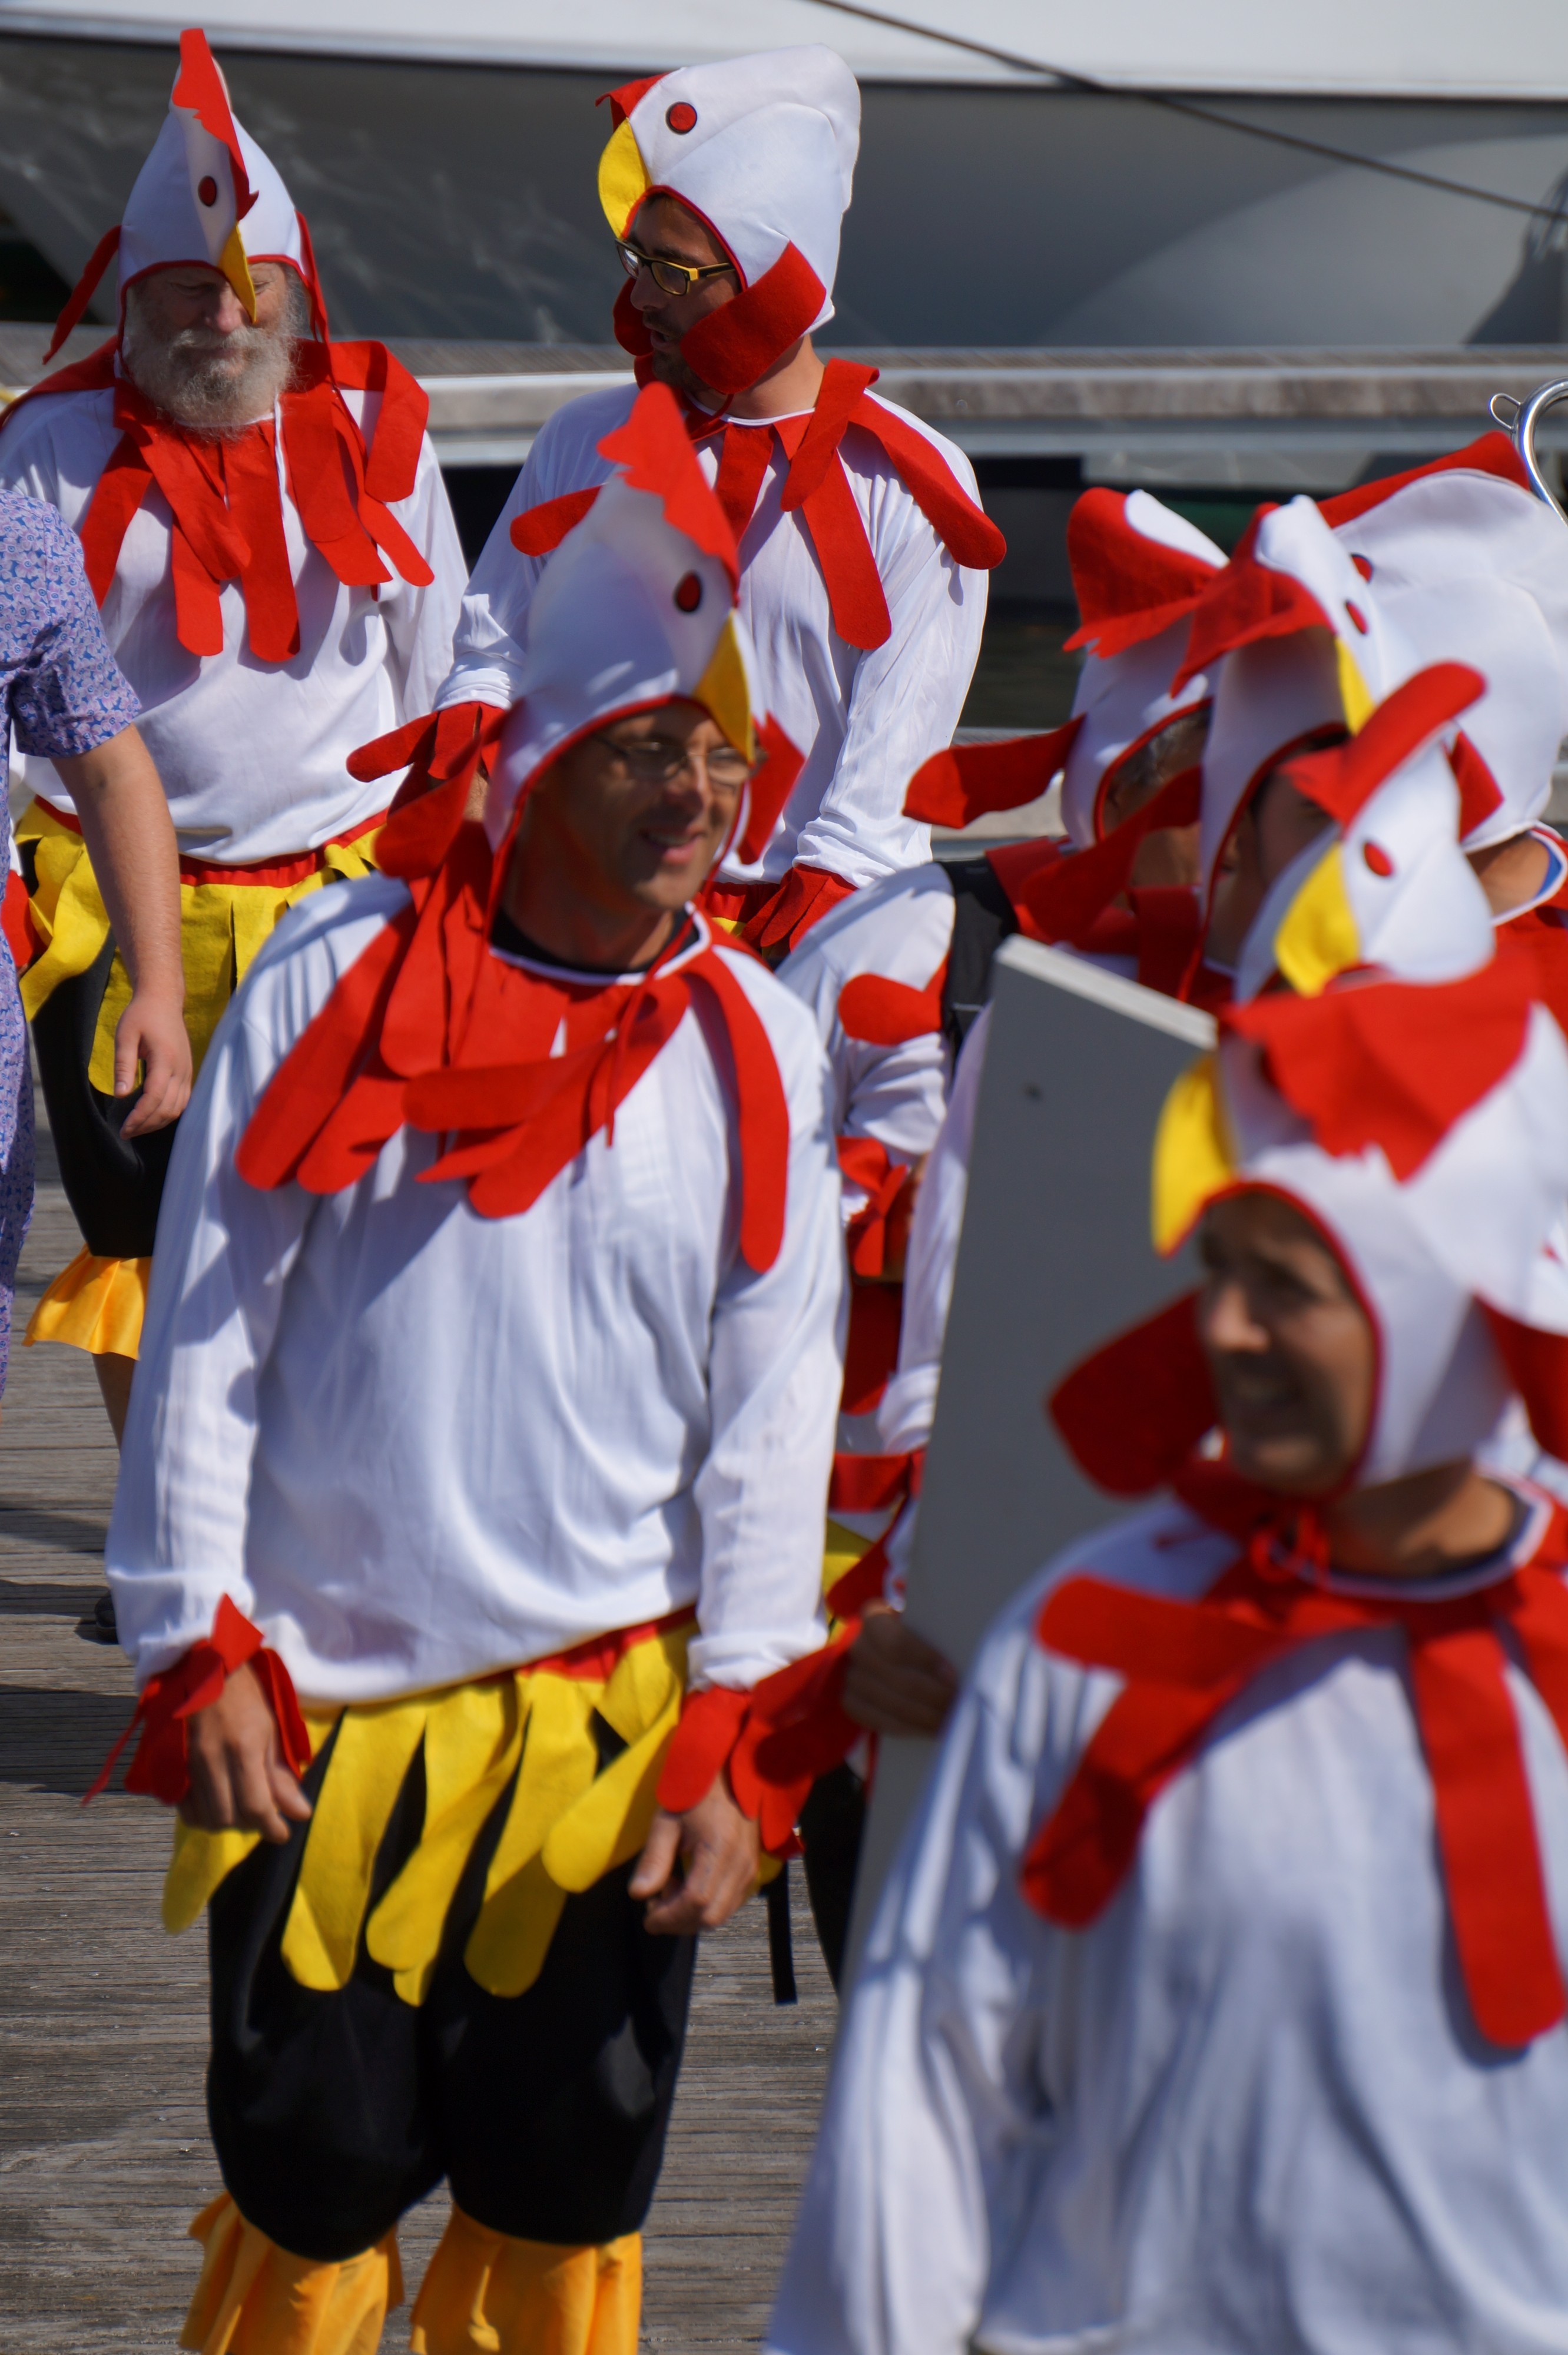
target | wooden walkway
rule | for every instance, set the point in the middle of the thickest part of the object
(104, 2150)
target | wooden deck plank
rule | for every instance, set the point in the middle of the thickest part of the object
(104, 2156)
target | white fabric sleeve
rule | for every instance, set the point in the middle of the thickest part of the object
(421, 622)
(775, 1369)
(492, 626)
(908, 1407)
(906, 701)
(934, 2096)
(177, 1534)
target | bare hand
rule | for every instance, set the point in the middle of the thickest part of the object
(152, 1032)
(896, 1682)
(697, 1868)
(238, 1778)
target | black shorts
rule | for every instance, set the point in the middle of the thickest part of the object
(546, 2112)
(114, 1184)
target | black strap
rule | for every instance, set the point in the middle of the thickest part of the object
(781, 1948)
(983, 916)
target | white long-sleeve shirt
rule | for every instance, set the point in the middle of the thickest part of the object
(415, 1444)
(865, 721)
(252, 754)
(901, 930)
(1246, 2111)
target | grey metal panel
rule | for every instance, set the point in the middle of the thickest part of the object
(460, 200)
(1056, 1256)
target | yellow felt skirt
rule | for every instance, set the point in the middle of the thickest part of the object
(526, 1738)
(97, 1304)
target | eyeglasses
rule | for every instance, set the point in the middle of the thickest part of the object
(657, 761)
(669, 277)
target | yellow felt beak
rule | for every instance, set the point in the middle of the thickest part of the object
(1319, 937)
(622, 180)
(723, 693)
(236, 268)
(1354, 692)
(1193, 1156)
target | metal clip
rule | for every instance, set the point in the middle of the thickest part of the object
(1519, 419)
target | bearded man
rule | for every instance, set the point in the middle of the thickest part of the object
(864, 552)
(270, 545)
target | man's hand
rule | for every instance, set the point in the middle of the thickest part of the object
(130, 839)
(152, 1031)
(896, 1682)
(238, 1778)
(697, 1868)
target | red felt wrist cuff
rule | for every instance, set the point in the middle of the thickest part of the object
(161, 1768)
(710, 1726)
(802, 900)
(775, 1742)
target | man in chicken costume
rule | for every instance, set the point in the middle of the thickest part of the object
(864, 552)
(1217, 2000)
(474, 1475)
(270, 542)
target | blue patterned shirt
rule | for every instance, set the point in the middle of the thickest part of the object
(61, 690)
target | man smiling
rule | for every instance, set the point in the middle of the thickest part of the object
(270, 542)
(863, 549)
(474, 1476)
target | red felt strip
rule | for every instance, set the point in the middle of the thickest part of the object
(272, 615)
(711, 1721)
(730, 348)
(1343, 779)
(968, 780)
(117, 496)
(1065, 899)
(1486, 1833)
(1132, 1411)
(538, 531)
(768, 793)
(309, 1083)
(81, 294)
(1390, 1063)
(621, 102)
(198, 86)
(743, 455)
(1121, 577)
(871, 1343)
(862, 1583)
(965, 529)
(763, 1118)
(655, 449)
(1493, 453)
(855, 594)
(885, 1012)
(1537, 1363)
(1479, 795)
(838, 396)
(870, 1484)
(802, 900)
(1246, 602)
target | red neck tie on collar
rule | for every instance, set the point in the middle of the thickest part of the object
(1186, 1662)
(225, 493)
(817, 485)
(429, 1029)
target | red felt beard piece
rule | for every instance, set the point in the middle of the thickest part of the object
(742, 340)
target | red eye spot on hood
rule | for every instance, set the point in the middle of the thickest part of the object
(1357, 616)
(688, 593)
(206, 189)
(680, 116)
(1377, 858)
